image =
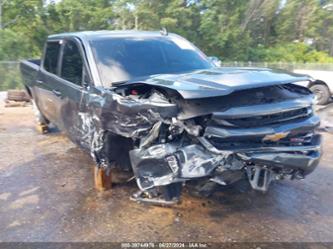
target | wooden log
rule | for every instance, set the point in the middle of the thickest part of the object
(42, 128)
(103, 178)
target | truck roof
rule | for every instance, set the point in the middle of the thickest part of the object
(93, 35)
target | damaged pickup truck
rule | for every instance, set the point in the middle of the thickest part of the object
(153, 104)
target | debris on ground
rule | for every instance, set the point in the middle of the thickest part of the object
(17, 98)
(18, 95)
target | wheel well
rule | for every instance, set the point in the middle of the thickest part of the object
(317, 82)
(116, 149)
(27, 89)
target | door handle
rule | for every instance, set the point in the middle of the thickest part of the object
(39, 82)
(57, 93)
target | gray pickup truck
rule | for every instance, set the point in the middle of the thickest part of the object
(154, 105)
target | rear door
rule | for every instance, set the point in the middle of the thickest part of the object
(45, 89)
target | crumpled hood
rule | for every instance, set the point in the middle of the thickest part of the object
(221, 81)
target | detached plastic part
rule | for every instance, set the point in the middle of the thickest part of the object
(163, 195)
(260, 177)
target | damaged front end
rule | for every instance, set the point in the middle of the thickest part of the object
(262, 134)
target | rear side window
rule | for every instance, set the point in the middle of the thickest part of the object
(51, 57)
(72, 63)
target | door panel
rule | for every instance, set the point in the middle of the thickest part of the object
(70, 89)
(50, 102)
(46, 82)
(69, 108)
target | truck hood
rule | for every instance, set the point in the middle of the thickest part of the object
(220, 81)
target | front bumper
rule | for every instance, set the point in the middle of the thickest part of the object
(301, 158)
(164, 164)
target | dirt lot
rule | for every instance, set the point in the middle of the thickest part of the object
(46, 194)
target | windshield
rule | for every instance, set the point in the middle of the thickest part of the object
(123, 58)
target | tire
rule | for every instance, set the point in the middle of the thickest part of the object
(17, 95)
(322, 93)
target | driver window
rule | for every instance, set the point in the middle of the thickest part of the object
(72, 63)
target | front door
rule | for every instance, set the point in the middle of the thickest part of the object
(72, 85)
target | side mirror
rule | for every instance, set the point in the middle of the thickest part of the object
(215, 61)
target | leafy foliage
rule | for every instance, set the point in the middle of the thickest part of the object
(236, 30)
(10, 78)
(289, 52)
(13, 45)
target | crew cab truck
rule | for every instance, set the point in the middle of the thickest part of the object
(153, 104)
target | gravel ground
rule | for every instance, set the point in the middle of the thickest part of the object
(47, 194)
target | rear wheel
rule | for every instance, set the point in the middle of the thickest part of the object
(322, 93)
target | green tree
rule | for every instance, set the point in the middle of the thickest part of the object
(231, 29)
(13, 46)
(294, 20)
(221, 30)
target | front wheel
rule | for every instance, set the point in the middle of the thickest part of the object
(322, 93)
